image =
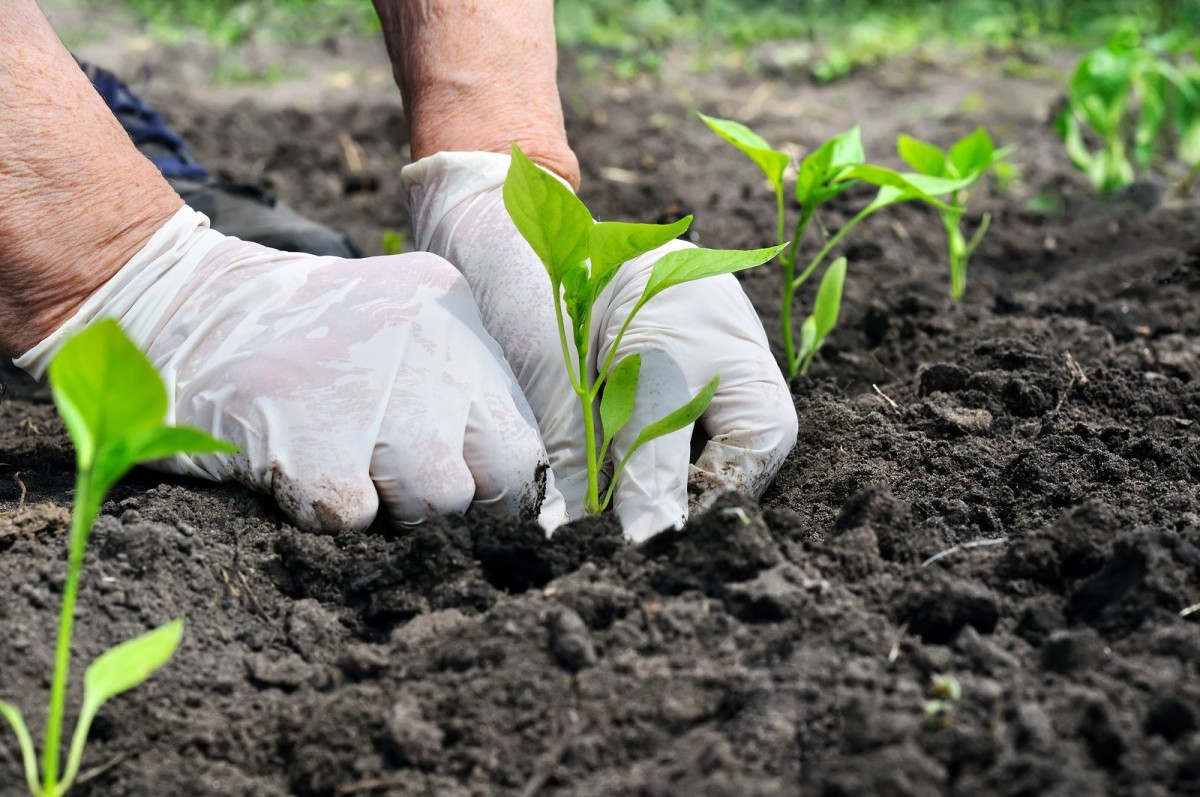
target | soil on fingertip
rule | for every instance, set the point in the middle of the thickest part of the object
(775, 647)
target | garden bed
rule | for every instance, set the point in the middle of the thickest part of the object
(769, 647)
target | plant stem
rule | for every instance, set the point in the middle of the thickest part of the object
(591, 499)
(825, 250)
(81, 523)
(788, 261)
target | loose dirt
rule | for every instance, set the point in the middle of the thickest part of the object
(771, 648)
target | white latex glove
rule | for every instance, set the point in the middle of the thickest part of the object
(345, 382)
(685, 335)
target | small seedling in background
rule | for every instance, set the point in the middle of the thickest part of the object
(393, 242)
(113, 404)
(1131, 99)
(582, 256)
(939, 709)
(824, 174)
(969, 158)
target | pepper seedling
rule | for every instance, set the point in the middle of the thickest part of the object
(969, 158)
(1125, 96)
(582, 256)
(113, 404)
(828, 171)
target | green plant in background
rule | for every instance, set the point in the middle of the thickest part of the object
(828, 171)
(393, 242)
(582, 256)
(969, 158)
(113, 404)
(1126, 102)
(939, 709)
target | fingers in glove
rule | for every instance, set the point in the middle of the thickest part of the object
(751, 422)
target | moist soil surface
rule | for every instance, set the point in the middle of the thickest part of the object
(1042, 438)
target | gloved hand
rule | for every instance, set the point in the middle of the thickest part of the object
(344, 382)
(684, 335)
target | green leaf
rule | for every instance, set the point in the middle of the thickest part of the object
(549, 216)
(115, 671)
(972, 154)
(114, 403)
(679, 419)
(123, 667)
(620, 390)
(921, 155)
(772, 162)
(685, 265)
(167, 441)
(823, 166)
(577, 296)
(1151, 118)
(105, 389)
(808, 344)
(896, 187)
(25, 741)
(829, 299)
(1071, 132)
(613, 243)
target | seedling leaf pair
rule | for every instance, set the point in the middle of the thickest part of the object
(1124, 97)
(581, 257)
(956, 171)
(829, 170)
(113, 405)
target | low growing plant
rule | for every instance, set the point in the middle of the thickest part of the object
(1127, 102)
(825, 173)
(969, 158)
(582, 256)
(113, 404)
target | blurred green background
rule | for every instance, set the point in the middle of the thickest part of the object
(631, 34)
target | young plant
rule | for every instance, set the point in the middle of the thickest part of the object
(939, 709)
(828, 171)
(969, 158)
(113, 404)
(582, 256)
(1130, 97)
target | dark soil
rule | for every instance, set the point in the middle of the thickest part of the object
(769, 648)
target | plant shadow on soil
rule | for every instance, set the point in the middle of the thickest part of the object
(767, 648)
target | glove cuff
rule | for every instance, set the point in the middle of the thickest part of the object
(142, 292)
(439, 183)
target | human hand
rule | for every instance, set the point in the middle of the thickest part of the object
(344, 382)
(684, 336)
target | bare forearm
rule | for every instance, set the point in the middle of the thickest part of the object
(478, 75)
(77, 200)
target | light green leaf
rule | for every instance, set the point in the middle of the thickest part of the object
(613, 243)
(685, 265)
(123, 667)
(896, 187)
(772, 162)
(167, 441)
(1071, 132)
(115, 671)
(921, 155)
(829, 299)
(549, 216)
(105, 389)
(808, 343)
(817, 180)
(1151, 118)
(620, 391)
(972, 154)
(25, 741)
(679, 419)
(577, 296)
